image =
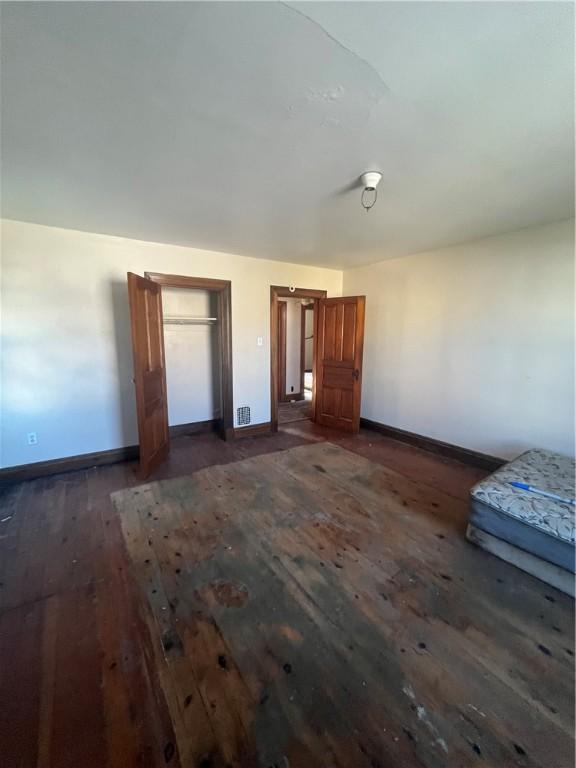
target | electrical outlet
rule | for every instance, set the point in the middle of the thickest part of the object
(32, 438)
(291, 389)
(260, 341)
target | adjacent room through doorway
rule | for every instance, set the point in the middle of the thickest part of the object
(307, 345)
(291, 354)
(337, 343)
(295, 359)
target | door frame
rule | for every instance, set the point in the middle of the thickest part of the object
(284, 292)
(223, 289)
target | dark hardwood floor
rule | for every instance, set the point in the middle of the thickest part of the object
(82, 681)
(295, 410)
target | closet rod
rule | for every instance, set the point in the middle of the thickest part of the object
(189, 320)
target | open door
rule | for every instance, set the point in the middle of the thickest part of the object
(340, 335)
(149, 372)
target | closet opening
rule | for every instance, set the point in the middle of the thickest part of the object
(182, 343)
(196, 321)
(192, 357)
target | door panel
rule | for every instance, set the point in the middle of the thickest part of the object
(349, 335)
(339, 366)
(153, 390)
(347, 404)
(330, 319)
(327, 406)
(149, 371)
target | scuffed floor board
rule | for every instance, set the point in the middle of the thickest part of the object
(312, 608)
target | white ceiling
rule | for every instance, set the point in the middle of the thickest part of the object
(243, 126)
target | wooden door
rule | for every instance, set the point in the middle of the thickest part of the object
(340, 342)
(149, 371)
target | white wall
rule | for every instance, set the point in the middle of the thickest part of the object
(474, 344)
(293, 341)
(192, 357)
(67, 358)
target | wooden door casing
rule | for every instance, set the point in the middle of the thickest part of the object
(149, 372)
(340, 344)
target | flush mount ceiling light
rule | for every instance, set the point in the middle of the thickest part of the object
(370, 181)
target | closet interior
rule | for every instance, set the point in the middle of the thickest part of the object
(193, 358)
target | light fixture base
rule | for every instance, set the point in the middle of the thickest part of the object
(371, 179)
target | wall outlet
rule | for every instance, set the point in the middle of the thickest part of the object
(260, 341)
(291, 389)
(32, 438)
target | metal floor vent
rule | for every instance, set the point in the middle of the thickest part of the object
(243, 415)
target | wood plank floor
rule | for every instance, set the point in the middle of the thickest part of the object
(482, 653)
(295, 410)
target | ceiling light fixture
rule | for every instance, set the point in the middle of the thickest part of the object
(370, 181)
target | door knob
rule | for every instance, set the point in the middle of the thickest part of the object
(355, 374)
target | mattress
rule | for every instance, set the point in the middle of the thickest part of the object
(542, 526)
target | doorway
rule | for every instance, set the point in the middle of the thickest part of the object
(181, 326)
(307, 350)
(292, 359)
(337, 350)
(294, 399)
